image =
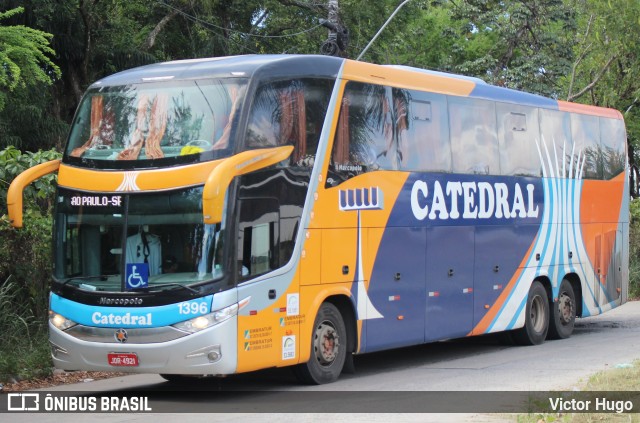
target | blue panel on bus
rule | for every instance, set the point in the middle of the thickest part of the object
(396, 290)
(479, 229)
(130, 317)
(499, 251)
(431, 199)
(450, 258)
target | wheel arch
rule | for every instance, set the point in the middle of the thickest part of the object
(346, 309)
(546, 283)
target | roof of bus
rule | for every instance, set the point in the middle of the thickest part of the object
(232, 66)
(326, 66)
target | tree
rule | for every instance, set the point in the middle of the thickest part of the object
(24, 57)
(607, 61)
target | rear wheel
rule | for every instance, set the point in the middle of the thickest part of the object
(328, 348)
(536, 323)
(563, 312)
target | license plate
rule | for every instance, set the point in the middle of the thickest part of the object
(122, 359)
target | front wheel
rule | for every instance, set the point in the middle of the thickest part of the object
(536, 322)
(328, 348)
(563, 312)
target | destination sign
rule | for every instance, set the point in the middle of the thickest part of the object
(96, 200)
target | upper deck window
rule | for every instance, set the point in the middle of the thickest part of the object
(152, 124)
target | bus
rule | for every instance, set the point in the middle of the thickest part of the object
(224, 215)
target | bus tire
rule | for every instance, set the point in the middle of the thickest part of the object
(563, 313)
(536, 322)
(328, 348)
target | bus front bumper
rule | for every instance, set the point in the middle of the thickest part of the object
(212, 351)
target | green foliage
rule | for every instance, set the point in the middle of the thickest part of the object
(26, 254)
(521, 45)
(24, 351)
(38, 195)
(607, 61)
(24, 56)
(25, 265)
(634, 210)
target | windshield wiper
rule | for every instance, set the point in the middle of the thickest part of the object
(83, 278)
(174, 284)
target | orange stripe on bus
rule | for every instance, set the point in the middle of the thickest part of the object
(152, 179)
(565, 106)
(402, 78)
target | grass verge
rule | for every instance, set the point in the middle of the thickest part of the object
(626, 378)
(24, 350)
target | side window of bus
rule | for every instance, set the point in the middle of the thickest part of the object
(612, 140)
(371, 133)
(556, 140)
(474, 144)
(517, 136)
(585, 132)
(258, 237)
(427, 147)
(289, 113)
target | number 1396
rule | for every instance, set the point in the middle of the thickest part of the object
(193, 308)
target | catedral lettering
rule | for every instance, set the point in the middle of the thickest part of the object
(125, 319)
(225, 215)
(481, 200)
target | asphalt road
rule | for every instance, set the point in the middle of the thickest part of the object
(479, 364)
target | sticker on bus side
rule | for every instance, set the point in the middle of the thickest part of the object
(289, 347)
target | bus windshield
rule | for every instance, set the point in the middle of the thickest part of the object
(98, 236)
(156, 121)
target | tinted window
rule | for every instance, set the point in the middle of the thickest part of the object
(258, 237)
(586, 133)
(372, 130)
(555, 131)
(289, 113)
(517, 136)
(427, 146)
(167, 123)
(474, 144)
(612, 139)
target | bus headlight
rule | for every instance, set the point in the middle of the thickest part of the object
(202, 322)
(59, 321)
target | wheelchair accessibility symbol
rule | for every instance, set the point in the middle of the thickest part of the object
(137, 276)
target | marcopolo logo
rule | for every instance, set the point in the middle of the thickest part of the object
(473, 200)
(120, 301)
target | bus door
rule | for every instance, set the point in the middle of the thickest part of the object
(450, 261)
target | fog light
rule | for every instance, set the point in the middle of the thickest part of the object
(212, 352)
(214, 356)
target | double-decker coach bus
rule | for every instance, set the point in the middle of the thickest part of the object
(217, 216)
